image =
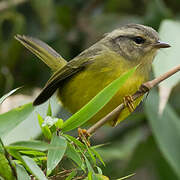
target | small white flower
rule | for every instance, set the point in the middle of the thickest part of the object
(49, 121)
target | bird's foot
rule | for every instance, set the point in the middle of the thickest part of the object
(84, 136)
(128, 102)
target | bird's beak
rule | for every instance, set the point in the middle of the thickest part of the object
(160, 44)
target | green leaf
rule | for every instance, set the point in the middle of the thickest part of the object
(56, 152)
(49, 111)
(72, 174)
(91, 155)
(75, 141)
(93, 106)
(99, 177)
(45, 129)
(92, 176)
(34, 168)
(30, 145)
(33, 153)
(166, 129)
(88, 164)
(59, 124)
(125, 177)
(98, 156)
(40, 160)
(21, 173)
(23, 132)
(99, 170)
(96, 177)
(89, 176)
(16, 155)
(73, 154)
(7, 95)
(167, 59)
(5, 169)
(147, 151)
(100, 145)
(12, 118)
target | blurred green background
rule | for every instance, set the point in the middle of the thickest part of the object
(70, 26)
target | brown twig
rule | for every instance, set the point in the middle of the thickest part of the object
(142, 90)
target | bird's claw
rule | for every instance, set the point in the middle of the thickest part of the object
(128, 102)
(84, 136)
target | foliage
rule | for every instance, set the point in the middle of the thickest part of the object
(146, 144)
(30, 155)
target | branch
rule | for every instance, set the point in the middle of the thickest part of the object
(7, 4)
(144, 88)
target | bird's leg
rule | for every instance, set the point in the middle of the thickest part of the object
(84, 136)
(128, 102)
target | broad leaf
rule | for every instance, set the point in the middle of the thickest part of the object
(166, 59)
(88, 164)
(28, 145)
(166, 129)
(56, 152)
(34, 168)
(74, 155)
(23, 132)
(12, 118)
(21, 173)
(33, 153)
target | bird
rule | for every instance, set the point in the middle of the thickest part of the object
(82, 78)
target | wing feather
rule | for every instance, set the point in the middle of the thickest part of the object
(53, 84)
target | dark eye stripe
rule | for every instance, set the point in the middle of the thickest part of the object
(138, 40)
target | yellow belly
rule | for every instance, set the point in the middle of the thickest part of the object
(79, 89)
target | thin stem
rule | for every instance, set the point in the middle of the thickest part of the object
(144, 88)
(8, 159)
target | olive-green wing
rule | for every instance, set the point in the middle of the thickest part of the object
(51, 86)
(43, 51)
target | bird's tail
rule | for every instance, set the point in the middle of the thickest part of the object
(48, 55)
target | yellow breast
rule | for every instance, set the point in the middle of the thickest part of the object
(76, 91)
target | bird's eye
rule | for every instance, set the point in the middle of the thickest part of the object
(138, 40)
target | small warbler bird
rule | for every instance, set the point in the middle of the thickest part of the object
(79, 80)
